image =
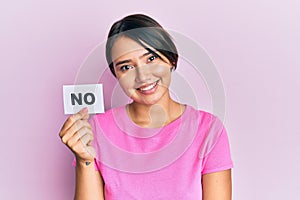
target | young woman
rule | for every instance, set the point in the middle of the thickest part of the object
(153, 147)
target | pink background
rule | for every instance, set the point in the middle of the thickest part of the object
(254, 45)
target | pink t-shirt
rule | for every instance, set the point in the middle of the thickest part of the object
(158, 163)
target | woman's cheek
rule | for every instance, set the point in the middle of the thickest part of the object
(126, 82)
(163, 72)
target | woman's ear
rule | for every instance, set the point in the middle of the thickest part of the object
(173, 66)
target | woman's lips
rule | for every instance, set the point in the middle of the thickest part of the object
(147, 89)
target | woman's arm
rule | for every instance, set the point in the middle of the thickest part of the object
(89, 183)
(217, 185)
(77, 135)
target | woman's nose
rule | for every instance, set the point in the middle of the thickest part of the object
(143, 73)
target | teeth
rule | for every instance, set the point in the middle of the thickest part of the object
(149, 87)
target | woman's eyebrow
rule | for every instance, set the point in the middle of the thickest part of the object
(145, 54)
(122, 62)
(149, 51)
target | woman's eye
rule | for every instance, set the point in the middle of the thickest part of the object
(125, 68)
(151, 58)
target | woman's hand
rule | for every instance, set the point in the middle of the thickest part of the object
(77, 135)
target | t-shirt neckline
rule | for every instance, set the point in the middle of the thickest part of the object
(121, 117)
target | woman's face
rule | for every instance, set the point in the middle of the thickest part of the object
(144, 77)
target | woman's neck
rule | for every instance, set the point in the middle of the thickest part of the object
(154, 116)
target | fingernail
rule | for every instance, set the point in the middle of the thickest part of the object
(84, 110)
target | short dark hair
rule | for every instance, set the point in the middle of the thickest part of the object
(144, 30)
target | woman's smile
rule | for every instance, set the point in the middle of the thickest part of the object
(148, 88)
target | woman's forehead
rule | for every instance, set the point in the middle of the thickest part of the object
(124, 46)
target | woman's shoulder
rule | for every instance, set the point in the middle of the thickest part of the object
(205, 119)
(202, 113)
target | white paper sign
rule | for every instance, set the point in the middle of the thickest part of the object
(77, 97)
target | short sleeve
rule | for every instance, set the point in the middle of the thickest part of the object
(219, 157)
